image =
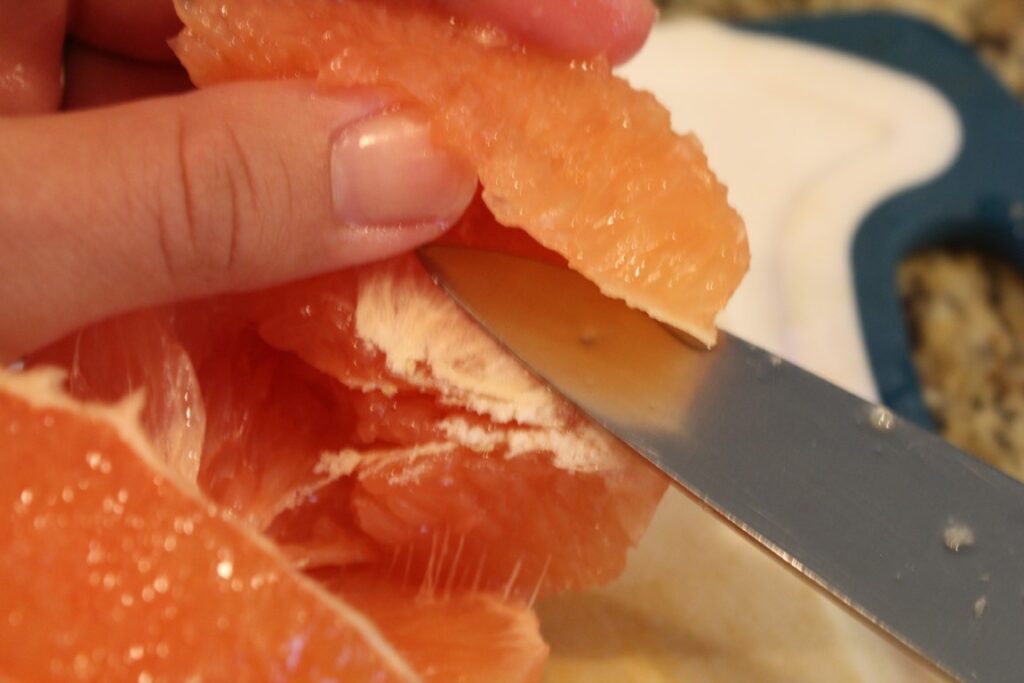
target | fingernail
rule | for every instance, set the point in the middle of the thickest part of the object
(386, 171)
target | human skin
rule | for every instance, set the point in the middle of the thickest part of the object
(125, 188)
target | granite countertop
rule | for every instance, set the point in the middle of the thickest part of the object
(965, 310)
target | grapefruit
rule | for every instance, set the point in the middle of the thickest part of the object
(117, 570)
(137, 352)
(359, 420)
(565, 150)
(441, 633)
(113, 570)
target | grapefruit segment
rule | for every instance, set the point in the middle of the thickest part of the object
(114, 570)
(565, 150)
(431, 630)
(513, 526)
(140, 352)
(456, 443)
(270, 416)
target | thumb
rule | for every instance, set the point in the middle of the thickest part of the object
(235, 187)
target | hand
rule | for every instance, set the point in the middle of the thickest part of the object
(134, 200)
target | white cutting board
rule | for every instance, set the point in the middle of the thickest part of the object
(808, 141)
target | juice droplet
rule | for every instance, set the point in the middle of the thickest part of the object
(225, 569)
(958, 536)
(979, 606)
(881, 418)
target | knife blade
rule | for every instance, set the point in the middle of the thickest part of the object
(920, 539)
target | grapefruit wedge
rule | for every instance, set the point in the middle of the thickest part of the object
(565, 150)
(114, 570)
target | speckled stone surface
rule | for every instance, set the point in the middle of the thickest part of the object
(966, 320)
(965, 311)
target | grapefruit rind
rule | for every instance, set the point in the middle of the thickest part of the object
(428, 342)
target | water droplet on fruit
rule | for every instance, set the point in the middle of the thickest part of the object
(161, 584)
(94, 460)
(225, 569)
(135, 653)
(81, 665)
(958, 536)
(184, 525)
(68, 494)
(95, 555)
(27, 496)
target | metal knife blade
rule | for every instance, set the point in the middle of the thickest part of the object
(922, 540)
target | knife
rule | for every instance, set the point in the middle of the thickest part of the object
(922, 540)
